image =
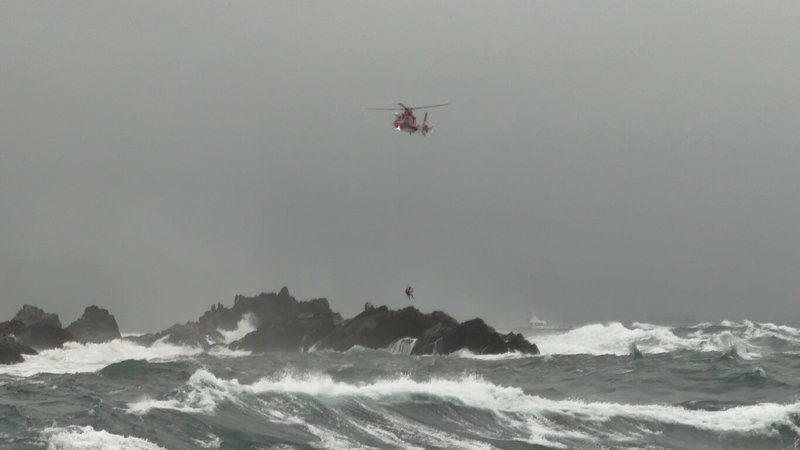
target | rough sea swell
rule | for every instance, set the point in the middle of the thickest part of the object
(710, 385)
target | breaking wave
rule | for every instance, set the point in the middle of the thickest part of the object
(247, 324)
(464, 353)
(75, 358)
(747, 339)
(403, 346)
(532, 419)
(87, 438)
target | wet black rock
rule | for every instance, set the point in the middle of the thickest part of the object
(11, 351)
(282, 323)
(39, 329)
(436, 333)
(379, 327)
(474, 335)
(95, 325)
(189, 334)
(43, 336)
(30, 315)
(10, 327)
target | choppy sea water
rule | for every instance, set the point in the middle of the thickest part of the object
(708, 385)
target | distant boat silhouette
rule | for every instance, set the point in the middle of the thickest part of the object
(536, 322)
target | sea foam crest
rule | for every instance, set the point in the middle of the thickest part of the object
(74, 357)
(748, 339)
(539, 420)
(467, 354)
(247, 324)
(403, 346)
(87, 438)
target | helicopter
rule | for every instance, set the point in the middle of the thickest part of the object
(406, 121)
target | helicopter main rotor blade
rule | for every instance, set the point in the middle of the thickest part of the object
(403, 107)
(429, 106)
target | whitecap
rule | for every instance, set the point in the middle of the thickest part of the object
(532, 415)
(225, 352)
(75, 437)
(403, 346)
(75, 358)
(247, 324)
(212, 441)
(614, 338)
(464, 353)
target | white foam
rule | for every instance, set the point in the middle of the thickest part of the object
(224, 352)
(332, 440)
(615, 338)
(403, 346)
(213, 442)
(531, 415)
(75, 357)
(87, 438)
(247, 324)
(464, 353)
(131, 334)
(608, 339)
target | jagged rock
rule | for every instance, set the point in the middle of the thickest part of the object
(42, 336)
(435, 333)
(379, 327)
(475, 336)
(35, 328)
(189, 334)
(518, 343)
(95, 325)
(30, 315)
(290, 336)
(635, 352)
(10, 327)
(285, 324)
(11, 351)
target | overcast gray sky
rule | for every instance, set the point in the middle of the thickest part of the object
(599, 160)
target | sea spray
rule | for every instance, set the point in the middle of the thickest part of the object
(749, 340)
(692, 389)
(403, 346)
(247, 324)
(204, 391)
(87, 438)
(75, 357)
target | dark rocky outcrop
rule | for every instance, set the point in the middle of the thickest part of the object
(11, 351)
(475, 336)
(281, 322)
(30, 315)
(10, 327)
(43, 336)
(635, 352)
(379, 327)
(189, 334)
(436, 333)
(32, 328)
(284, 323)
(95, 325)
(39, 329)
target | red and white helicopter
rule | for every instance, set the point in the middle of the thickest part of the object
(404, 120)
